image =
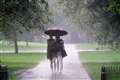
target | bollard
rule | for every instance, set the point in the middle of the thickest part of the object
(3, 72)
(103, 73)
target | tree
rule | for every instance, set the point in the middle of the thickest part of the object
(101, 18)
(114, 6)
(108, 11)
(19, 15)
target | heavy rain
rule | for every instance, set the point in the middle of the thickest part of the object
(85, 35)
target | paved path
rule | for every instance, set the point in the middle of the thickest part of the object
(73, 69)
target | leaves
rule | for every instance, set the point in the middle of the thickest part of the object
(114, 6)
(89, 13)
(23, 14)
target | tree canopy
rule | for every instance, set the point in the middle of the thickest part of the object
(101, 18)
(23, 14)
(16, 16)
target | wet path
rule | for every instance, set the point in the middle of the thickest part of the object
(73, 69)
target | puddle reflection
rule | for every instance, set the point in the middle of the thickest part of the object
(58, 76)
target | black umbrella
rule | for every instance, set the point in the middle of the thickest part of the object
(56, 32)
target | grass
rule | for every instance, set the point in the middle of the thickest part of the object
(93, 61)
(89, 46)
(21, 61)
(9, 46)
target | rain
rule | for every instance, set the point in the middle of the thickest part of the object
(91, 44)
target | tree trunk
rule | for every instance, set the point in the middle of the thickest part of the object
(15, 42)
(27, 43)
(16, 46)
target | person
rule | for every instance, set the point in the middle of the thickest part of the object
(51, 53)
(60, 53)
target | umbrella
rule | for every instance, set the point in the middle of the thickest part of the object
(56, 32)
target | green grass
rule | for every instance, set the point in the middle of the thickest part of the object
(9, 46)
(21, 61)
(93, 61)
(89, 46)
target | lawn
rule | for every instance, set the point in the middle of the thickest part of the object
(9, 46)
(93, 61)
(90, 46)
(21, 61)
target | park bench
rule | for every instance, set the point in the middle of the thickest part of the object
(110, 72)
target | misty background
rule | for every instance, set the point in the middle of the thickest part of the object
(86, 21)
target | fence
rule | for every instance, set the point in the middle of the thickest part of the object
(110, 73)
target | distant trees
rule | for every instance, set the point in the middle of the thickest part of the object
(20, 15)
(101, 18)
(108, 15)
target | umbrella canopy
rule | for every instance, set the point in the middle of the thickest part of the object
(56, 32)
